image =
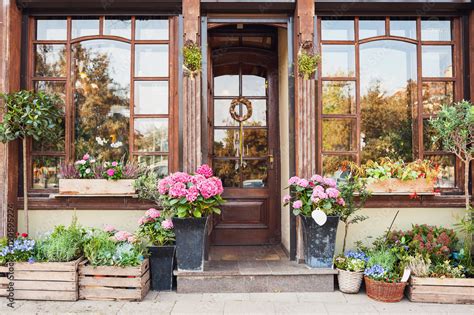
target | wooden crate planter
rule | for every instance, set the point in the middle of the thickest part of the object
(441, 290)
(114, 283)
(45, 281)
(96, 187)
(395, 185)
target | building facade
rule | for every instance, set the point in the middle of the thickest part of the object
(386, 67)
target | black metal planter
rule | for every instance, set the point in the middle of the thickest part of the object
(190, 243)
(319, 241)
(161, 267)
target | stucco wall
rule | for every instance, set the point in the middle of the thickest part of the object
(42, 221)
(284, 128)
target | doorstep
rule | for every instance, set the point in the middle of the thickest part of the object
(255, 276)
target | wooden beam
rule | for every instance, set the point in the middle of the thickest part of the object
(304, 19)
(10, 52)
(191, 17)
(471, 82)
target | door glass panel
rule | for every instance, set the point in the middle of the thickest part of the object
(226, 142)
(221, 113)
(253, 85)
(228, 172)
(254, 174)
(259, 113)
(226, 85)
(255, 142)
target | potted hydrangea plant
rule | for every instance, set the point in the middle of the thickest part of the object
(191, 199)
(318, 203)
(351, 267)
(157, 230)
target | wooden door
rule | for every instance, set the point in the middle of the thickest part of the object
(244, 145)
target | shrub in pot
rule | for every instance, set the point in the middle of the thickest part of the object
(351, 267)
(318, 202)
(158, 232)
(191, 199)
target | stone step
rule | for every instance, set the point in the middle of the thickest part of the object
(255, 276)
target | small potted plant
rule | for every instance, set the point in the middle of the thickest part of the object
(158, 232)
(318, 203)
(191, 199)
(89, 177)
(351, 268)
(382, 276)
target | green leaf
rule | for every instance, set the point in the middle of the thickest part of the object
(197, 213)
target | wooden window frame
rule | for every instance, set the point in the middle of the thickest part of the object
(417, 136)
(172, 115)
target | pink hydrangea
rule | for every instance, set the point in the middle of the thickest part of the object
(178, 190)
(197, 179)
(341, 202)
(330, 182)
(153, 213)
(86, 157)
(110, 172)
(297, 204)
(321, 195)
(180, 177)
(317, 178)
(114, 163)
(144, 219)
(122, 236)
(318, 188)
(332, 192)
(167, 224)
(131, 239)
(204, 170)
(192, 194)
(164, 185)
(293, 180)
(210, 187)
(303, 183)
(109, 228)
(315, 198)
(286, 199)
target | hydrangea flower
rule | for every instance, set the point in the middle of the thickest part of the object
(293, 180)
(286, 199)
(357, 255)
(167, 224)
(297, 204)
(375, 272)
(204, 170)
(153, 213)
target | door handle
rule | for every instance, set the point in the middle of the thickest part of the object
(271, 160)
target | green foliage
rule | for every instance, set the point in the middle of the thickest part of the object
(466, 227)
(447, 270)
(307, 63)
(31, 114)
(383, 257)
(62, 245)
(19, 249)
(156, 229)
(113, 170)
(146, 186)
(349, 264)
(192, 58)
(419, 266)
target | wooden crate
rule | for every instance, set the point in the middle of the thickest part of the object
(45, 281)
(441, 290)
(114, 283)
(395, 185)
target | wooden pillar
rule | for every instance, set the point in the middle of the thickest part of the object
(305, 107)
(10, 52)
(192, 151)
(471, 83)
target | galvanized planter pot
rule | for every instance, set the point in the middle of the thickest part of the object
(162, 264)
(190, 243)
(319, 241)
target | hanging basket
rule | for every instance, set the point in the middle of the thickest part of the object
(384, 291)
(349, 281)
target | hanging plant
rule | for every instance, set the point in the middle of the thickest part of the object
(192, 58)
(307, 61)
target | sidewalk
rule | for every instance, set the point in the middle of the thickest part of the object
(238, 303)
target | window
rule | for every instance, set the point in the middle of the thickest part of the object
(381, 78)
(113, 74)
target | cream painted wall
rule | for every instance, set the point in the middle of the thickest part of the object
(284, 130)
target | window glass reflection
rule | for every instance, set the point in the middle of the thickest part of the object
(46, 172)
(155, 163)
(435, 95)
(437, 61)
(151, 97)
(151, 135)
(403, 28)
(339, 134)
(151, 29)
(50, 61)
(338, 60)
(371, 28)
(436, 30)
(254, 174)
(226, 85)
(151, 60)
(387, 100)
(337, 29)
(85, 27)
(333, 165)
(51, 29)
(339, 97)
(447, 166)
(118, 27)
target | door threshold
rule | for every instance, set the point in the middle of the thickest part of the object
(247, 253)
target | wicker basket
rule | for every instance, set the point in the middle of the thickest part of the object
(384, 291)
(349, 281)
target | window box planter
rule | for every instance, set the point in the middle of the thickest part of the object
(395, 185)
(96, 187)
(114, 283)
(44, 281)
(441, 290)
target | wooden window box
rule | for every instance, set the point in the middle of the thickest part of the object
(45, 281)
(114, 283)
(441, 290)
(395, 185)
(96, 187)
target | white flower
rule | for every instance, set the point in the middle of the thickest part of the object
(88, 171)
(92, 161)
(82, 162)
(101, 141)
(117, 144)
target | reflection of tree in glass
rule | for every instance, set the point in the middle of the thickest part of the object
(50, 61)
(386, 123)
(151, 137)
(227, 172)
(102, 100)
(338, 97)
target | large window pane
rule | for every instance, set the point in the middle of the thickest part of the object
(388, 72)
(101, 78)
(150, 29)
(85, 27)
(51, 29)
(226, 85)
(337, 29)
(436, 30)
(447, 167)
(371, 28)
(339, 97)
(436, 94)
(339, 134)
(437, 61)
(338, 61)
(151, 60)
(50, 61)
(151, 135)
(151, 97)
(45, 172)
(253, 85)
(403, 28)
(118, 27)
(156, 163)
(335, 165)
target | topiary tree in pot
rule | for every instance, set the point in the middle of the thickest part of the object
(29, 114)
